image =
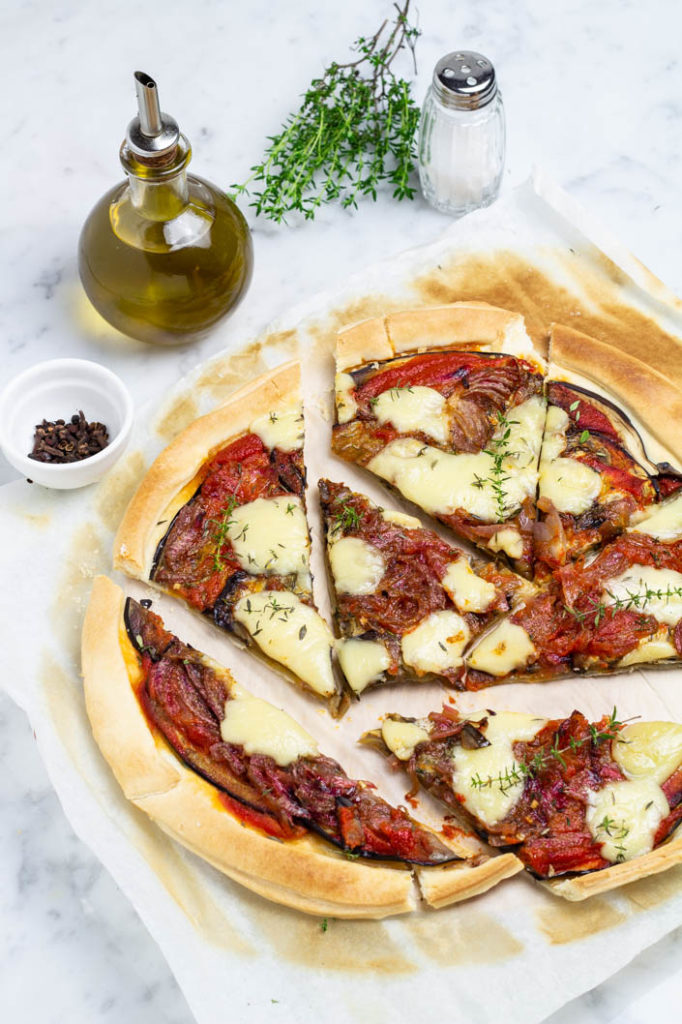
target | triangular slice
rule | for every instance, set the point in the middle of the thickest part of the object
(567, 796)
(226, 774)
(407, 603)
(219, 521)
(601, 462)
(446, 405)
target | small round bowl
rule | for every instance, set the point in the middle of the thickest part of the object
(57, 389)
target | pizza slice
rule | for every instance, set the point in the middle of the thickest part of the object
(220, 521)
(239, 782)
(407, 603)
(592, 805)
(627, 598)
(597, 467)
(446, 405)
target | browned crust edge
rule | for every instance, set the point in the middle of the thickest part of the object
(442, 886)
(645, 392)
(179, 462)
(460, 323)
(584, 886)
(305, 874)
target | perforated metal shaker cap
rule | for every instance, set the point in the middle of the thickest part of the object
(464, 80)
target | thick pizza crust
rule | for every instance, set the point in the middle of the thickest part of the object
(476, 325)
(584, 886)
(306, 873)
(450, 884)
(162, 488)
(644, 393)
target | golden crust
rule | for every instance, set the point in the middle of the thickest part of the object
(452, 883)
(305, 874)
(584, 886)
(178, 464)
(475, 324)
(640, 389)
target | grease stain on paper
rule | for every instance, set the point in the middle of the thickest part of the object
(575, 921)
(116, 490)
(458, 938)
(182, 411)
(646, 893)
(85, 559)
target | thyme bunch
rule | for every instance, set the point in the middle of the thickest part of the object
(498, 452)
(354, 130)
(635, 599)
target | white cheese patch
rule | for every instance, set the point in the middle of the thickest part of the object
(261, 728)
(664, 522)
(624, 817)
(570, 485)
(508, 540)
(651, 649)
(402, 737)
(505, 648)
(357, 567)
(362, 661)
(468, 591)
(554, 441)
(437, 643)
(270, 535)
(649, 750)
(494, 765)
(281, 429)
(292, 633)
(652, 591)
(400, 519)
(414, 408)
(526, 423)
(346, 406)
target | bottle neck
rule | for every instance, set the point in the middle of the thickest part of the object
(158, 185)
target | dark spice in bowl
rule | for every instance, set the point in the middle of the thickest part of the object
(62, 441)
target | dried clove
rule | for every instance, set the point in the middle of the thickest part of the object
(62, 441)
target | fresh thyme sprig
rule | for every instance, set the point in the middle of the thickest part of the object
(498, 452)
(354, 130)
(635, 599)
(617, 831)
(347, 519)
(516, 773)
(221, 528)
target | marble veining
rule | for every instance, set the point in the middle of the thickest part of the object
(592, 92)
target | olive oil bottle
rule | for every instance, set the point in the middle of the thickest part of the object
(164, 255)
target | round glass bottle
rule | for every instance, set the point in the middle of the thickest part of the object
(462, 135)
(164, 255)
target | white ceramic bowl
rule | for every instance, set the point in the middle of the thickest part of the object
(57, 389)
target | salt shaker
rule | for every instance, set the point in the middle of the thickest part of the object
(462, 135)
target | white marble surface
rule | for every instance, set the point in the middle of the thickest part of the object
(592, 92)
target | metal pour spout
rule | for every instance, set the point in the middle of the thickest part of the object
(152, 133)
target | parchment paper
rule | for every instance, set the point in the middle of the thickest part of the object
(515, 954)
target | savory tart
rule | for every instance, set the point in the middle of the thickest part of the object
(407, 603)
(220, 521)
(569, 797)
(446, 405)
(239, 782)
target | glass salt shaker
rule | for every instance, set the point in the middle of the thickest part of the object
(462, 135)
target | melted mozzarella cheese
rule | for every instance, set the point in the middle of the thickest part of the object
(437, 642)
(554, 441)
(261, 728)
(570, 485)
(624, 817)
(526, 422)
(362, 661)
(650, 750)
(400, 519)
(468, 591)
(508, 540)
(656, 648)
(357, 567)
(664, 587)
(664, 522)
(282, 429)
(346, 406)
(505, 648)
(270, 535)
(414, 408)
(493, 802)
(291, 633)
(402, 737)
